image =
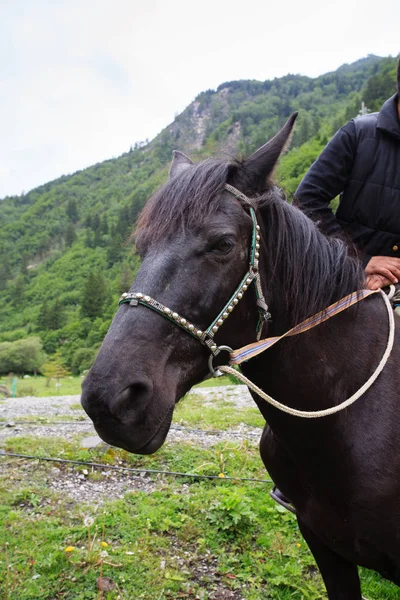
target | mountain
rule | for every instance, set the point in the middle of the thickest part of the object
(64, 258)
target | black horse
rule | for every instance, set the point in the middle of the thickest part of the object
(342, 472)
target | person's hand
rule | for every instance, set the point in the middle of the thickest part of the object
(375, 281)
(388, 267)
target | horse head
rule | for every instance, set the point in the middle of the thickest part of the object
(194, 238)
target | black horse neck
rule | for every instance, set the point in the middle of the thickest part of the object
(303, 272)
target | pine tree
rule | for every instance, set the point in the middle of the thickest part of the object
(18, 295)
(94, 295)
(104, 225)
(115, 249)
(5, 271)
(125, 280)
(89, 241)
(72, 210)
(51, 315)
(42, 317)
(95, 222)
(70, 235)
(123, 223)
(98, 238)
(96, 227)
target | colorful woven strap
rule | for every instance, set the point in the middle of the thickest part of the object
(251, 350)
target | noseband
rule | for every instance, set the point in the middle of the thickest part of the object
(206, 337)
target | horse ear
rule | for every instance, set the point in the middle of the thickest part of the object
(260, 165)
(180, 163)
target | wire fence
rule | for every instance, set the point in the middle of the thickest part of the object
(142, 471)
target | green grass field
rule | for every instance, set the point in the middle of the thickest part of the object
(188, 538)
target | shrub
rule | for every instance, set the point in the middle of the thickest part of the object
(22, 356)
(82, 360)
(54, 369)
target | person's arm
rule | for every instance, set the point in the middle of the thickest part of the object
(326, 178)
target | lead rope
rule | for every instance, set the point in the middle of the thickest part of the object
(314, 414)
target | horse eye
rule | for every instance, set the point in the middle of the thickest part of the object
(223, 246)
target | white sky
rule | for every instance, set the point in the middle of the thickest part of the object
(83, 80)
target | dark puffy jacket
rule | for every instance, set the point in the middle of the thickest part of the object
(362, 163)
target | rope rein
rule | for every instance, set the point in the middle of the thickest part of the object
(314, 414)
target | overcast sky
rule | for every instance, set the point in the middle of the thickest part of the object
(83, 80)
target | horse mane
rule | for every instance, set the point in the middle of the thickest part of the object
(308, 269)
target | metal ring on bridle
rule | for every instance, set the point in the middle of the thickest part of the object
(216, 372)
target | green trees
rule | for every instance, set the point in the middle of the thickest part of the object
(18, 291)
(72, 210)
(82, 360)
(5, 271)
(95, 294)
(22, 356)
(65, 253)
(125, 280)
(115, 249)
(380, 86)
(293, 165)
(70, 235)
(52, 315)
(54, 369)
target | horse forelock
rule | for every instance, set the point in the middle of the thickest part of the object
(184, 202)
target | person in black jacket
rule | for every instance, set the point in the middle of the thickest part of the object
(362, 164)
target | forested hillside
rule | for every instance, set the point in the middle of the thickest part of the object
(64, 257)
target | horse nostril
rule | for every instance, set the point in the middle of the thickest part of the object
(133, 398)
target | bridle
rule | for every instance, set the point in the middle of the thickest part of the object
(240, 355)
(206, 337)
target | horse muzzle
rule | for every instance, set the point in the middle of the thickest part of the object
(135, 419)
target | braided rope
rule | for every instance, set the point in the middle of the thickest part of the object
(314, 414)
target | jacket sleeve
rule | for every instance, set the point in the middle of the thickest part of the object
(326, 178)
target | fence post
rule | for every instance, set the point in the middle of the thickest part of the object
(14, 388)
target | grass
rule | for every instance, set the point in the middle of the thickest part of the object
(217, 381)
(159, 545)
(187, 538)
(195, 411)
(38, 386)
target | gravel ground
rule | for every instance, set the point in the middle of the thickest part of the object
(12, 408)
(27, 416)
